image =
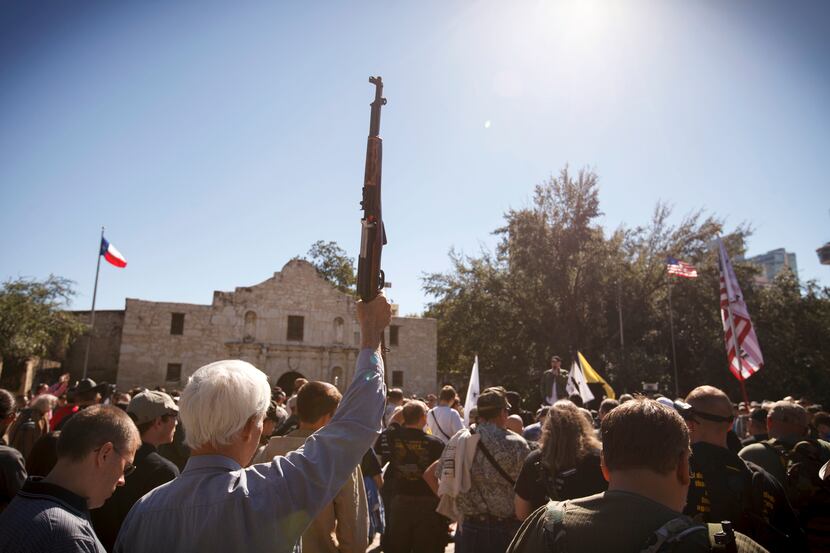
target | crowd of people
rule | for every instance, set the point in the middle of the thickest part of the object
(232, 464)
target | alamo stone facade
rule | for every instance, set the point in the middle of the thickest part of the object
(293, 324)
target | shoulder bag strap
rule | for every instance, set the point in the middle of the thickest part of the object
(494, 463)
(441, 430)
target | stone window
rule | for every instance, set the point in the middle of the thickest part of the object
(357, 338)
(393, 335)
(249, 334)
(295, 328)
(397, 378)
(174, 372)
(338, 330)
(177, 324)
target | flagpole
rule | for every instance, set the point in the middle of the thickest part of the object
(734, 335)
(622, 337)
(94, 294)
(671, 330)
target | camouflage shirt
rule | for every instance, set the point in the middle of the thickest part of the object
(490, 493)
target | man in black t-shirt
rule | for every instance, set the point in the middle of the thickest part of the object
(646, 459)
(155, 414)
(724, 486)
(414, 526)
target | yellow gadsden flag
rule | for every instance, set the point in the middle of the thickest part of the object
(592, 377)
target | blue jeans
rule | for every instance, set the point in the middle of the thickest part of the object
(476, 537)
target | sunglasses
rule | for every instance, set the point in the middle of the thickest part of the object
(690, 413)
(129, 468)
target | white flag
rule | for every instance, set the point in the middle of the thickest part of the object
(472, 393)
(577, 383)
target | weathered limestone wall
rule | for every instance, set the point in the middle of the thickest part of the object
(416, 354)
(104, 349)
(251, 323)
(147, 345)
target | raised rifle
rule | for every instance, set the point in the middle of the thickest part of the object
(370, 277)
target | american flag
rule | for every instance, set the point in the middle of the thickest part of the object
(735, 318)
(680, 268)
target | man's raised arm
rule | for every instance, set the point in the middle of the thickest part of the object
(314, 473)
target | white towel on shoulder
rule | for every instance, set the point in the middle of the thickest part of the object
(455, 472)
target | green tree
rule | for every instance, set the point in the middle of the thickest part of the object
(535, 296)
(793, 327)
(557, 282)
(644, 289)
(333, 264)
(33, 323)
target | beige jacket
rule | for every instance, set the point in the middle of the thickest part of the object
(343, 525)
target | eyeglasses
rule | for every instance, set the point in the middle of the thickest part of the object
(129, 468)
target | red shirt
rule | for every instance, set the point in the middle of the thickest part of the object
(61, 412)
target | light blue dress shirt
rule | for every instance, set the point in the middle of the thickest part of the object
(216, 505)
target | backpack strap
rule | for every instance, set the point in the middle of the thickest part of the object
(671, 533)
(553, 484)
(778, 448)
(554, 526)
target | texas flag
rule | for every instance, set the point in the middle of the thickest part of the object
(111, 254)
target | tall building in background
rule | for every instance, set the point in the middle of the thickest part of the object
(772, 263)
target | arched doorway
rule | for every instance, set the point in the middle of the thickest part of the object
(286, 381)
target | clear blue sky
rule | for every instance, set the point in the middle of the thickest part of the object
(216, 140)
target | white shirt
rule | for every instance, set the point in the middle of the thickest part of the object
(443, 422)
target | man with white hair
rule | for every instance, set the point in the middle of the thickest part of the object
(216, 504)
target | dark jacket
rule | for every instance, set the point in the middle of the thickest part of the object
(725, 487)
(152, 470)
(45, 517)
(12, 474)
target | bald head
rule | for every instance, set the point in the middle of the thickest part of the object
(515, 424)
(711, 415)
(710, 400)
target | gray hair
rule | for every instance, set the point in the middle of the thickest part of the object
(44, 403)
(219, 399)
(788, 412)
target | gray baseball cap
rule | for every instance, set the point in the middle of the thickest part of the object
(150, 404)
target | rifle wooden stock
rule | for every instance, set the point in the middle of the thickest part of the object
(370, 276)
